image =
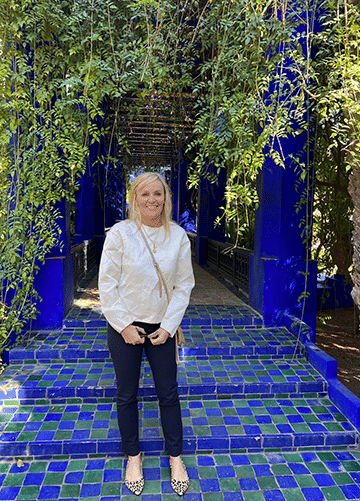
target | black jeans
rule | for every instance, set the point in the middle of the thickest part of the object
(127, 363)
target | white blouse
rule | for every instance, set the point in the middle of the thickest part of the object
(129, 285)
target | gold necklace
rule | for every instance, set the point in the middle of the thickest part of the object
(153, 243)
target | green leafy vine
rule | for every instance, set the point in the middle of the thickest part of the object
(66, 65)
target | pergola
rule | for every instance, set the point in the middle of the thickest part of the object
(154, 128)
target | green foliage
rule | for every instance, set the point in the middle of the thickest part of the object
(250, 95)
(337, 106)
(42, 148)
(246, 66)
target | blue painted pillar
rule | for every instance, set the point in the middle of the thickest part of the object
(174, 186)
(101, 199)
(279, 262)
(115, 193)
(280, 271)
(114, 185)
(210, 199)
(89, 215)
(110, 197)
(183, 213)
(55, 280)
(85, 208)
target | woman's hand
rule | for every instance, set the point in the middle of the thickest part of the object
(159, 337)
(131, 335)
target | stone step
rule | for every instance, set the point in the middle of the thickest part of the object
(290, 476)
(214, 376)
(74, 344)
(205, 315)
(75, 426)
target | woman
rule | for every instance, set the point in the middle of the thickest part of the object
(141, 316)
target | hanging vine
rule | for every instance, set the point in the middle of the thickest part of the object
(337, 161)
(247, 66)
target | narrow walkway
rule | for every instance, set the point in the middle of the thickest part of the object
(208, 290)
(258, 422)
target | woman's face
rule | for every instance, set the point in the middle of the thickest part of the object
(150, 199)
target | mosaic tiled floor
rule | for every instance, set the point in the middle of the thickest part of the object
(201, 340)
(209, 425)
(195, 315)
(258, 423)
(303, 476)
(196, 375)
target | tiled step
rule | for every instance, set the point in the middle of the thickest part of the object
(75, 426)
(202, 376)
(304, 476)
(73, 344)
(257, 421)
(211, 315)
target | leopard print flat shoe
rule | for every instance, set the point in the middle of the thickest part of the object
(135, 486)
(179, 486)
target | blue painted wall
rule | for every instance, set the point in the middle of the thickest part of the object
(89, 215)
(85, 208)
(210, 199)
(55, 280)
(115, 193)
(279, 262)
(183, 213)
(334, 292)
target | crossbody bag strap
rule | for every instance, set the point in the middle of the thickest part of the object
(157, 268)
(179, 332)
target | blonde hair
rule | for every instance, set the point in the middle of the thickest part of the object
(138, 183)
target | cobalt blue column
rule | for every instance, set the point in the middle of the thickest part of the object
(174, 185)
(210, 199)
(184, 213)
(55, 280)
(115, 193)
(280, 272)
(279, 264)
(101, 199)
(89, 215)
(114, 185)
(85, 208)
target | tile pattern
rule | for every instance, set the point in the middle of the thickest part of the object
(211, 425)
(206, 375)
(213, 314)
(303, 476)
(74, 343)
(258, 424)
